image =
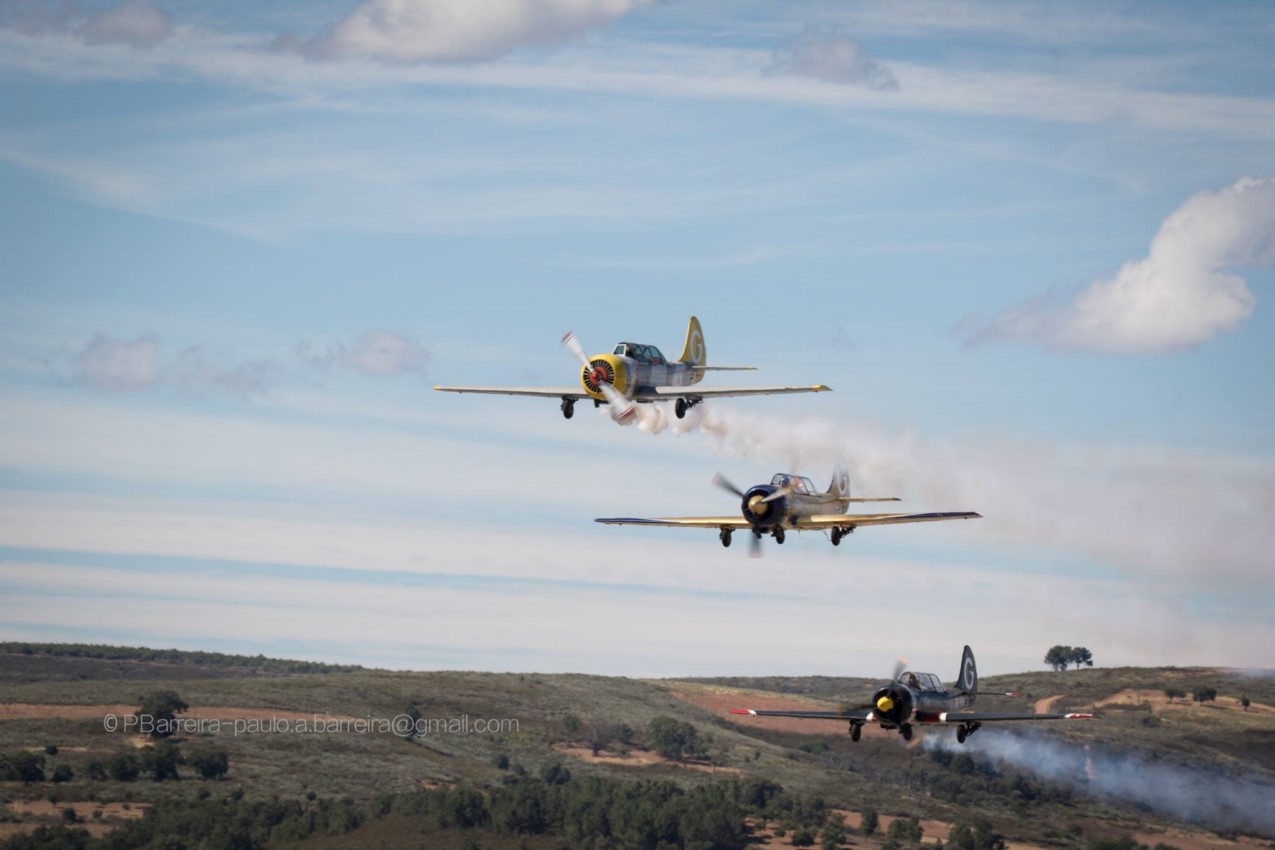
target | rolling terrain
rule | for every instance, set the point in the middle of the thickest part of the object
(1154, 770)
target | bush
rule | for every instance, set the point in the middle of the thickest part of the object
(159, 711)
(905, 829)
(63, 773)
(803, 837)
(870, 822)
(209, 763)
(1204, 694)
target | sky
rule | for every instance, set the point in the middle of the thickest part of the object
(1029, 245)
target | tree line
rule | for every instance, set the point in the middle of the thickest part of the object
(1059, 657)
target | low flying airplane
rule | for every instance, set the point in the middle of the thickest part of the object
(791, 503)
(920, 698)
(636, 373)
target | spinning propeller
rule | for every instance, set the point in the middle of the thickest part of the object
(756, 504)
(622, 409)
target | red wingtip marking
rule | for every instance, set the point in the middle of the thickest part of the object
(740, 711)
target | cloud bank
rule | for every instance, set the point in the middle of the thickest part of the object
(376, 353)
(831, 54)
(1179, 295)
(458, 30)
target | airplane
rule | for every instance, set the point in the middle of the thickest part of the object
(637, 373)
(920, 698)
(791, 503)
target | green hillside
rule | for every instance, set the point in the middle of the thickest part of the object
(358, 783)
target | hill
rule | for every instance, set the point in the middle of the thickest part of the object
(314, 750)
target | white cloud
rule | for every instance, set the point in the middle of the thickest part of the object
(831, 54)
(1179, 295)
(135, 23)
(459, 30)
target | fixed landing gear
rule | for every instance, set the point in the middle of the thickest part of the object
(906, 731)
(779, 536)
(568, 408)
(838, 534)
(964, 731)
(725, 537)
(682, 405)
(856, 730)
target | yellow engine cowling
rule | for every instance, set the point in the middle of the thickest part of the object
(604, 368)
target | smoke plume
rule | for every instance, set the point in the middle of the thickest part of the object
(1219, 801)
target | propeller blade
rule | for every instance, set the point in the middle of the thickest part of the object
(622, 409)
(779, 493)
(573, 345)
(754, 545)
(900, 665)
(721, 481)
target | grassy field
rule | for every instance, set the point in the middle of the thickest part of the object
(538, 715)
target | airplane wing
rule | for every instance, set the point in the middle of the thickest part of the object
(542, 392)
(658, 393)
(857, 716)
(854, 520)
(812, 522)
(993, 716)
(942, 717)
(736, 521)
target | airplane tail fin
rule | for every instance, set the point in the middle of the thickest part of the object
(967, 679)
(840, 486)
(694, 352)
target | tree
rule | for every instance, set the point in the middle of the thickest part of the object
(124, 766)
(63, 773)
(209, 763)
(161, 760)
(1174, 693)
(1058, 657)
(1080, 655)
(412, 712)
(1204, 694)
(834, 833)
(869, 822)
(803, 837)
(158, 714)
(672, 738)
(22, 767)
(905, 829)
(1244, 701)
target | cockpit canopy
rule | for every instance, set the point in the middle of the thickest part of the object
(800, 483)
(920, 681)
(640, 353)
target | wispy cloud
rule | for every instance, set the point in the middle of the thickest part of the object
(458, 30)
(375, 353)
(1181, 294)
(831, 54)
(136, 23)
(136, 365)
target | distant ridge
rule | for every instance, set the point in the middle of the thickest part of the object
(199, 658)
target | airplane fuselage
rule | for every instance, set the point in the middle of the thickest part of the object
(636, 369)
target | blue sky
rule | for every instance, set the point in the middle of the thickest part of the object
(1028, 244)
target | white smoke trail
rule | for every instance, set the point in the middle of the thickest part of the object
(1216, 800)
(1166, 512)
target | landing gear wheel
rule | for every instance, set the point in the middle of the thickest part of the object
(679, 407)
(906, 731)
(725, 537)
(779, 536)
(568, 408)
(856, 730)
(961, 732)
(836, 537)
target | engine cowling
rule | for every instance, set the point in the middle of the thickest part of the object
(893, 705)
(604, 368)
(761, 514)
